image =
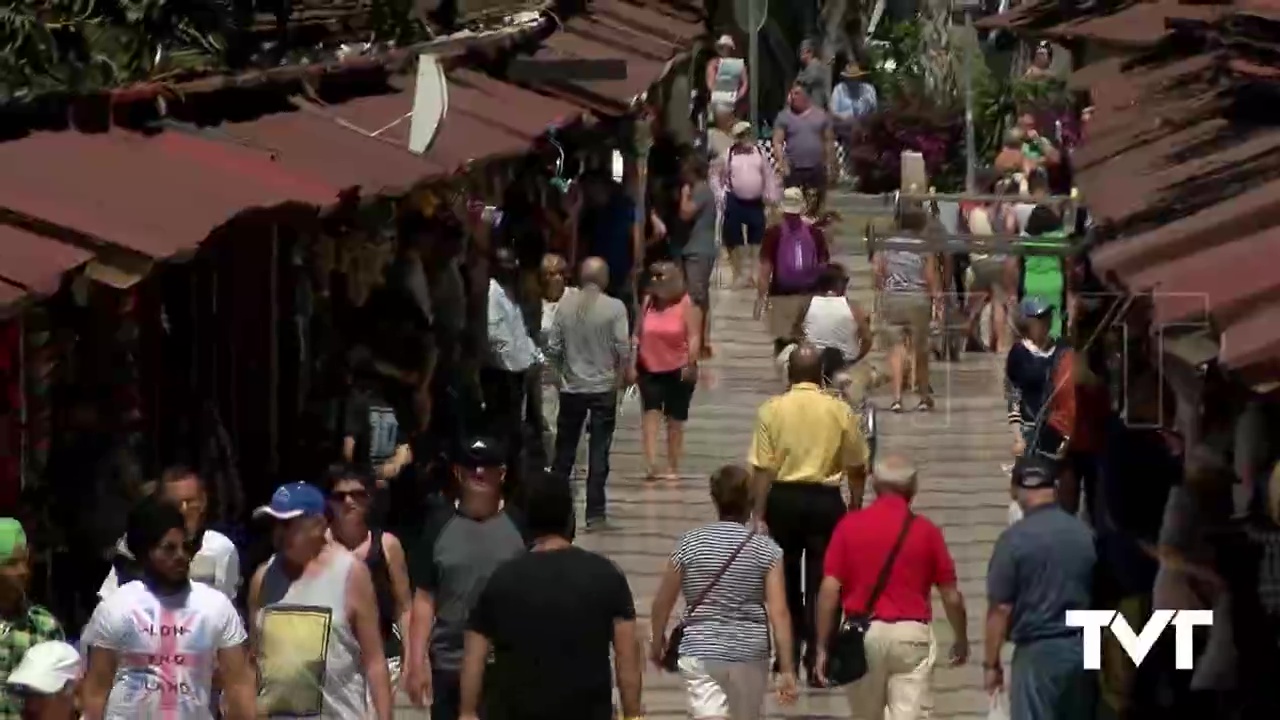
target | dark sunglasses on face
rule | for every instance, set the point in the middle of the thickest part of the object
(340, 496)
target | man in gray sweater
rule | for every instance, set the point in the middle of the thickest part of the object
(590, 349)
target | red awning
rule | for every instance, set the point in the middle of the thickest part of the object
(157, 195)
(1141, 25)
(161, 194)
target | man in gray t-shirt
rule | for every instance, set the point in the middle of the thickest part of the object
(813, 74)
(1042, 566)
(590, 349)
(804, 144)
(461, 546)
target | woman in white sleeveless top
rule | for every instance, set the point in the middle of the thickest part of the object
(835, 323)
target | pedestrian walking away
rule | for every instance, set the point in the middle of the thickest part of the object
(749, 183)
(834, 322)
(698, 256)
(504, 379)
(590, 352)
(804, 143)
(1041, 568)
(460, 547)
(216, 561)
(315, 619)
(734, 593)
(881, 567)
(350, 493)
(806, 441)
(791, 262)
(549, 619)
(668, 343)
(909, 286)
(26, 624)
(154, 643)
(47, 681)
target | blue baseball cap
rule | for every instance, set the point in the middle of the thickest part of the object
(294, 500)
(1034, 307)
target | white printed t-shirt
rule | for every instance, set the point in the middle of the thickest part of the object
(166, 649)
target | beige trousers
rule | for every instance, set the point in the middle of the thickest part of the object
(899, 680)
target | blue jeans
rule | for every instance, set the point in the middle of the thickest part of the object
(601, 411)
(1048, 681)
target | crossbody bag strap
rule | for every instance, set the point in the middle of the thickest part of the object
(883, 579)
(715, 579)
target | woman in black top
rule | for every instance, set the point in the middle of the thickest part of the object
(350, 492)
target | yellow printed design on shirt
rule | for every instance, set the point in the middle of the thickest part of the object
(294, 646)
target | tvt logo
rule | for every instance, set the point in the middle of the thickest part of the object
(1137, 645)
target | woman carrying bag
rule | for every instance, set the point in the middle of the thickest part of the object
(731, 580)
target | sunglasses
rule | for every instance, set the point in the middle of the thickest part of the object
(340, 496)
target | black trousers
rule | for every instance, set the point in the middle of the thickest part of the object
(801, 518)
(504, 407)
(599, 411)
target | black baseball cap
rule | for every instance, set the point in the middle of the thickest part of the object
(480, 451)
(1031, 473)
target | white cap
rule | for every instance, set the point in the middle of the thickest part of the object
(726, 40)
(793, 201)
(47, 668)
(742, 127)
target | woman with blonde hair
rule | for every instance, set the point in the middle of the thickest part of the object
(732, 584)
(668, 344)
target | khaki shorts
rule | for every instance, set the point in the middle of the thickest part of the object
(783, 311)
(903, 316)
(987, 276)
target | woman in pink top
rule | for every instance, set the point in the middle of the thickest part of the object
(668, 340)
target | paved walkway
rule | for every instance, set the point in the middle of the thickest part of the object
(959, 449)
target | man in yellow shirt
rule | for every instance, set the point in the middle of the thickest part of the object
(805, 442)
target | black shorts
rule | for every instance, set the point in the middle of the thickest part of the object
(666, 392)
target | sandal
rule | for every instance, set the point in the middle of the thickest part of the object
(896, 406)
(925, 405)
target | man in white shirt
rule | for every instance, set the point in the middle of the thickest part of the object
(215, 562)
(512, 355)
(154, 644)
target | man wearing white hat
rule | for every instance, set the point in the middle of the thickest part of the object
(46, 680)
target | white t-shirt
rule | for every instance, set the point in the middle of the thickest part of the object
(217, 564)
(166, 649)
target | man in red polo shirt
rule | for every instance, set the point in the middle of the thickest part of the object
(900, 646)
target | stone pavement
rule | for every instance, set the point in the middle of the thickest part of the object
(959, 448)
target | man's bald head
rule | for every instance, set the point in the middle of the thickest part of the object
(595, 271)
(805, 364)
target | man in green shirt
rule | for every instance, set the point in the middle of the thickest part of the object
(1045, 276)
(21, 623)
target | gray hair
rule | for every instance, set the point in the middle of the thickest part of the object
(895, 471)
(809, 45)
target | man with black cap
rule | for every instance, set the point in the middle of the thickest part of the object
(461, 546)
(1042, 567)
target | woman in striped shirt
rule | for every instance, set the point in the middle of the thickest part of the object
(733, 577)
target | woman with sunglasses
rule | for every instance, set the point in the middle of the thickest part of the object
(349, 492)
(669, 342)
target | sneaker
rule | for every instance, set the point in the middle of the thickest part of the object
(598, 524)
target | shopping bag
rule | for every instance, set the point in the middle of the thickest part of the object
(999, 706)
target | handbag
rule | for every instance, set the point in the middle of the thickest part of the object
(671, 653)
(847, 656)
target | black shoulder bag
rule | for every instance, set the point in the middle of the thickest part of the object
(671, 653)
(847, 656)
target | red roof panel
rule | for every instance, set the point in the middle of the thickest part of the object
(34, 262)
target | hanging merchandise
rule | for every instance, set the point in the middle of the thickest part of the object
(10, 413)
(43, 361)
(559, 182)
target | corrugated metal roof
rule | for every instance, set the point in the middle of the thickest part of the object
(1141, 25)
(34, 263)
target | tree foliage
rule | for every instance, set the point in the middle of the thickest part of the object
(77, 46)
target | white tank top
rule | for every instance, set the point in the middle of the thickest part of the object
(830, 323)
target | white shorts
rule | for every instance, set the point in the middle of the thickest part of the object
(718, 689)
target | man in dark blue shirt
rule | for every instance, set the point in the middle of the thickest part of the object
(608, 229)
(1042, 566)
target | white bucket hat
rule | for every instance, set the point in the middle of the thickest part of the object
(793, 201)
(47, 668)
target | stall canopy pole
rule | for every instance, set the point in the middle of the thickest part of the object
(22, 401)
